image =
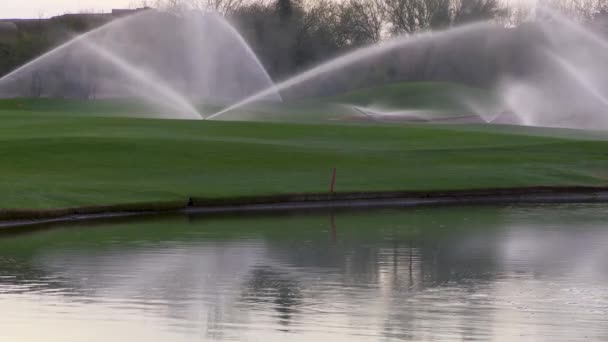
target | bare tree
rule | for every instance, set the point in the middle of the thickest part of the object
(476, 10)
(516, 12)
(581, 9)
(317, 31)
(413, 15)
(363, 20)
(224, 7)
(165, 5)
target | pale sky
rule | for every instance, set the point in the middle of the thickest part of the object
(47, 8)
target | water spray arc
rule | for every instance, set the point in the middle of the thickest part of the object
(579, 78)
(177, 61)
(165, 93)
(274, 95)
(349, 59)
(60, 48)
(530, 99)
(188, 62)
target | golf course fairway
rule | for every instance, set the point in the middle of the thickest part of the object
(52, 160)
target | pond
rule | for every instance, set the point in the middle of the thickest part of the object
(487, 273)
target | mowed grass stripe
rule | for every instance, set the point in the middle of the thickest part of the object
(65, 160)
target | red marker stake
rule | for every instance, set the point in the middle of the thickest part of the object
(333, 181)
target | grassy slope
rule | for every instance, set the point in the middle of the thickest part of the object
(444, 97)
(70, 107)
(417, 95)
(407, 95)
(51, 161)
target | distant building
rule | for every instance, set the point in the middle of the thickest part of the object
(125, 12)
(8, 32)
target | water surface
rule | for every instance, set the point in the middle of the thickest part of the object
(475, 273)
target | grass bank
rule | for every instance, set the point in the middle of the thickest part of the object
(69, 159)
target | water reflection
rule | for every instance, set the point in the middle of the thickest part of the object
(273, 289)
(430, 274)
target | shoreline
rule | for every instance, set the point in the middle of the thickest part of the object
(247, 204)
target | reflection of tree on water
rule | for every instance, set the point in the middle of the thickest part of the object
(20, 276)
(415, 255)
(397, 268)
(268, 286)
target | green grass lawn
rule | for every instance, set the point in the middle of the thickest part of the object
(441, 96)
(63, 153)
(53, 160)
